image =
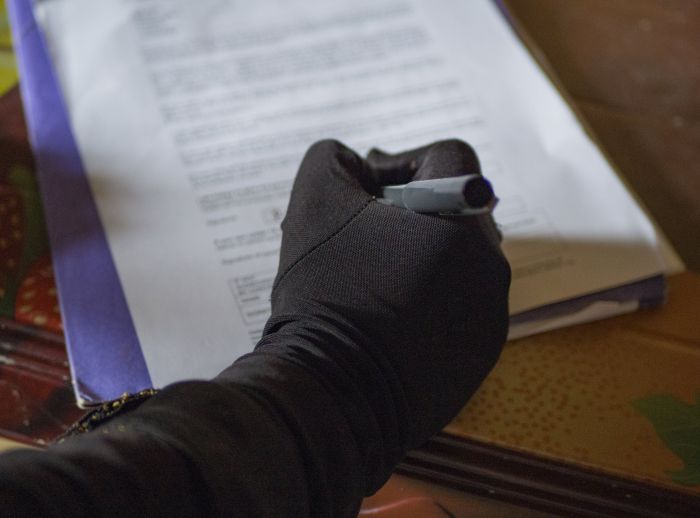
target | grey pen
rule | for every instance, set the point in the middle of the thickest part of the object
(470, 194)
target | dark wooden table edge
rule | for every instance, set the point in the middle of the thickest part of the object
(539, 483)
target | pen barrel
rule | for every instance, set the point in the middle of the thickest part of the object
(443, 195)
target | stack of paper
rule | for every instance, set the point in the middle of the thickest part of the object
(190, 120)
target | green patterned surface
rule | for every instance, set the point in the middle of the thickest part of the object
(678, 425)
(8, 70)
(23, 238)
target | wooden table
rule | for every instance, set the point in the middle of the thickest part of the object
(599, 416)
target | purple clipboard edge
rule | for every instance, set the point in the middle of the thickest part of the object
(103, 349)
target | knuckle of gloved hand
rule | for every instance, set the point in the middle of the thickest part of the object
(324, 150)
(454, 147)
(497, 270)
(507, 273)
(501, 273)
(497, 262)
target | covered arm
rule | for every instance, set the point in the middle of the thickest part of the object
(383, 323)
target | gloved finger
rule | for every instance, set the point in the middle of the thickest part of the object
(329, 173)
(440, 159)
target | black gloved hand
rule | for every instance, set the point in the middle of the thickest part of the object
(415, 303)
(383, 323)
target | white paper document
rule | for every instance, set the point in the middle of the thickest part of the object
(192, 118)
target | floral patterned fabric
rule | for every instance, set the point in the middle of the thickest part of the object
(27, 290)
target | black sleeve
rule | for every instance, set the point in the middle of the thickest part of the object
(282, 432)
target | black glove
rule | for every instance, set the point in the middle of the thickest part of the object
(412, 307)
